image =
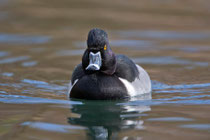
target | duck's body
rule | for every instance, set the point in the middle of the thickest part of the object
(102, 75)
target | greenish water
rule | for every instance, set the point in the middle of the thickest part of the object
(42, 41)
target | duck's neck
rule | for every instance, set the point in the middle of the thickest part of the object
(109, 62)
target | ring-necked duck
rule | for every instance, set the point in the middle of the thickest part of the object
(102, 75)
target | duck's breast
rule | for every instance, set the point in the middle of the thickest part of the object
(98, 87)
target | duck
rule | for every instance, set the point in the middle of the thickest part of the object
(103, 75)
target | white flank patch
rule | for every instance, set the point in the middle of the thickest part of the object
(70, 87)
(144, 82)
(140, 85)
(128, 86)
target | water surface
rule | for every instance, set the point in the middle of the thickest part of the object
(42, 41)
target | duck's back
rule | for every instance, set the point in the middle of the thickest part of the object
(134, 77)
(126, 68)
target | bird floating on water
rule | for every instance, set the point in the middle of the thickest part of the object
(102, 75)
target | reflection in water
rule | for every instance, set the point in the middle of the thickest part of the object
(104, 119)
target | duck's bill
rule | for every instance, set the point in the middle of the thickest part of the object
(94, 61)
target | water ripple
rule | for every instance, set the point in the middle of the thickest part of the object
(29, 81)
(131, 43)
(181, 97)
(31, 86)
(19, 99)
(158, 85)
(29, 63)
(44, 86)
(197, 126)
(70, 52)
(8, 74)
(3, 92)
(23, 39)
(53, 127)
(166, 35)
(123, 43)
(166, 60)
(14, 59)
(3, 53)
(171, 119)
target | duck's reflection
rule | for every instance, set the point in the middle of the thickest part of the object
(104, 119)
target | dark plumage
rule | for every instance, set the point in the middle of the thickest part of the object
(104, 75)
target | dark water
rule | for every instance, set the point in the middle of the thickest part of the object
(42, 41)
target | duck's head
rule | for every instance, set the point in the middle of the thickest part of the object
(98, 57)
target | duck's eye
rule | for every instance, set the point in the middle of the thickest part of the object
(105, 47)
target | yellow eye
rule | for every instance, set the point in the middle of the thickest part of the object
(105, 47)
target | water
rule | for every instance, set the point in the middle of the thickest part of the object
(42, 41)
